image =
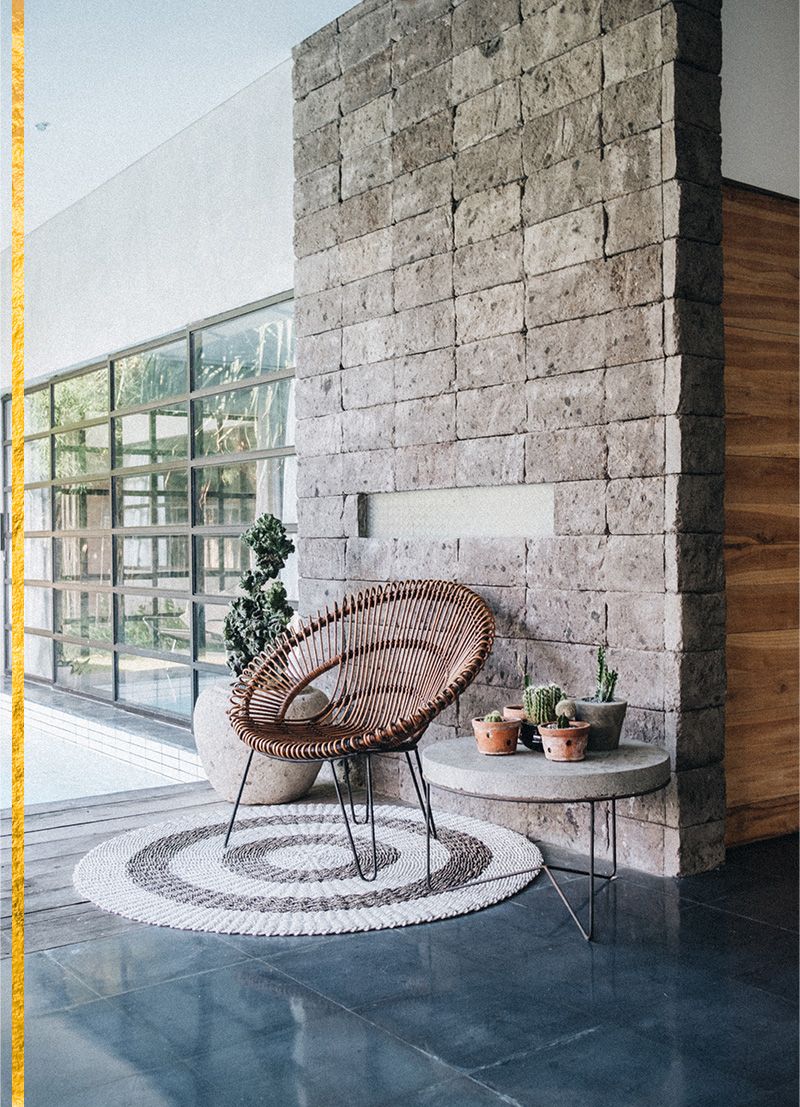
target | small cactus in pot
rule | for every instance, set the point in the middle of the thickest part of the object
(564, 738)
(494, 735)
(604, 713)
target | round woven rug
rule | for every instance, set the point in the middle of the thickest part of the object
(289, 870)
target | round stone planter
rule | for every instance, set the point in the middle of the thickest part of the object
(224, 755)
(605, 722)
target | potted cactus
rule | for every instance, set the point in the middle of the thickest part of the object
(565, 737)
(538, 706)
(604, 713)
(495, 735)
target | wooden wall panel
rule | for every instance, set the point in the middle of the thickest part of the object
(762, 749)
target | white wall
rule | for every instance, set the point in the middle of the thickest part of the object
(201, 224)
(759, 93)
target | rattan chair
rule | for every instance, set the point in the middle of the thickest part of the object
(395, 657)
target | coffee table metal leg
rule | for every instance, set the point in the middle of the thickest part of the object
(592, 874)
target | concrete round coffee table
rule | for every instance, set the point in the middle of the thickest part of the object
(634, 769)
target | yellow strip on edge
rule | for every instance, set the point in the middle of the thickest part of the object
(17, 554)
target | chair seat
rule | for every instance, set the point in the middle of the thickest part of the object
(312, 741)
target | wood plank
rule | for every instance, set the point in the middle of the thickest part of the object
(757, 606)
(753, 821)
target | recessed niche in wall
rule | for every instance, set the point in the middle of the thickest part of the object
(506, 511)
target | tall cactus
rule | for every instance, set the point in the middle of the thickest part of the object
(606, 679)
(539, 703)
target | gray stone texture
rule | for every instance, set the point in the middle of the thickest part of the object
(508, 227)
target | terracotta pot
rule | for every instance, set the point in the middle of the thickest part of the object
(565, 743)
(528, 732)
(605, 722)
(496, 739)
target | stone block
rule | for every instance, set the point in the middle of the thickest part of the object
(490, 262)
(418, 99)
(695, 503)
(694, 563)
(319, 148)
(316, 272)
(635, 620)
(693, 328)
(366, 255)
(695, 679)
(320, 476)
(692, 211)
(319, 353)
(580, 507)
(557, 29)
(695, 444)
(556, 616)
(634, 220)
(428, 466)
(422, 235)
(365, 385)
(693, 270)
(430, 327)
(562, 188)
(562, 81)
(490, 461)
(316, 232)
(368, 471)
(694, 386)
(502, 666)
(367, 298)
(564, 241)
(425, 558)
(366, 125)
(498, 360)
(632, 48)
(319, 312)
(426, 374)
(694, 621)
(363, 82)
(316, 60)
(487, 114)
(315, 595)
(422, 143)
(631, 164)
(487, 214)
(570, 665)
(485, 412)
(493, 561)
(694, 849)
(691, 96)
(561, 134)
(489, 312)
(691, 35)
(423, 282)
(644, 725)
(318, 107)
(424, 189)
(366, 169)
(635, 391)
(695, 738)
(635, 563)
(321, 558)
(430, 419)
(319, 435)
(328, 517)
(367, 342)
(368, 428)
(577, 453)
(408, 15)
(370, 559)
(636, 506)
(487, 165)
(576, 345)
(634, 334)
(636, 448)
(565, 400)
(691, 153)
(486, 64)
(632, 106)
(365, 213)
(617, 12)
(595, 287)
(424, 49)
(508, 607)
(364, 36)
(319, 395)
(641, 676)
(476, 21)
(578, 564)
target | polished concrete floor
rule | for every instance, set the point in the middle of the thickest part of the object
(688, 998)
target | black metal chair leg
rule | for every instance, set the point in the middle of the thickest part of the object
(355, 818)
(238, 799)
(418, 790)
(371, 816)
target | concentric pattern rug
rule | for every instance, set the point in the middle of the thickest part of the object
(289, 870)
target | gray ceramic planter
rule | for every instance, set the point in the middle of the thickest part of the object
(605, 722)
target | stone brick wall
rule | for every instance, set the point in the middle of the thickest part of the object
(509, 270)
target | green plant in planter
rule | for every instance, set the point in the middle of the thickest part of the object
(539, 703)
(606, 679)
(565, 713)
(257, 616)
(493, 717)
